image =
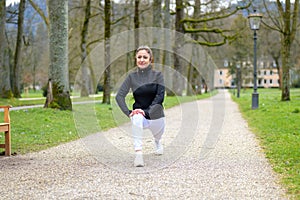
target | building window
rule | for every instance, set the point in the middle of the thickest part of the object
(221, 81)
(271, 72)
(271, 81)
(232, 83)
(221, 72)
(265, 81)
(259, 81)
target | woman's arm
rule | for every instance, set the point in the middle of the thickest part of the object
(120, 98)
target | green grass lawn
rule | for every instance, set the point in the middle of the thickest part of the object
(36, 129)
(277, 126)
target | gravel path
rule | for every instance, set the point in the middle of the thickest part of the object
(209, 154)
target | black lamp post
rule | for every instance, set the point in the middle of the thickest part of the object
(255, 19)
(238, 78)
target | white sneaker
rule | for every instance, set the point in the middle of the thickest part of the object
(139, 161)
(159, 149)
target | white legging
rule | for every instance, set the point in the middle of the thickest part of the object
(139, 122)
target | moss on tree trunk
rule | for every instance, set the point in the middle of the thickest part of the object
(57, 98)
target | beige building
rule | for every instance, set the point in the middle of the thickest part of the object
(267, 77)
(222, 78)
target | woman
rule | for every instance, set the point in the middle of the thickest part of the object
(148, 90)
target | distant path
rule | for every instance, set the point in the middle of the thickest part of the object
(209, 154)
(40, 106)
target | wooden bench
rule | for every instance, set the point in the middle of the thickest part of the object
(5, 127)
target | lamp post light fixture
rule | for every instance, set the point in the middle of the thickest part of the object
(254, 21)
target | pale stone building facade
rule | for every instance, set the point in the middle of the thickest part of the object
(267, 77)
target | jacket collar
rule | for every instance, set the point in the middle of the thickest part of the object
(144, 69)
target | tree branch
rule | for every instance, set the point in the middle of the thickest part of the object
(201, 20)
(271, 27)
(41, 13)
(295, 17)
(214, 44)
(205, 30)
(210, 44)
(280, 8)
(273, 19)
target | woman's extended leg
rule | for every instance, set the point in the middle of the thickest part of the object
(157, 128)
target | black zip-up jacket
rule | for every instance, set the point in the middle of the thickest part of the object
(148, 90)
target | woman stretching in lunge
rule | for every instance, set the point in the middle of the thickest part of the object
(148, 90)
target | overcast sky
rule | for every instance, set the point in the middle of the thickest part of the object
(8, 2)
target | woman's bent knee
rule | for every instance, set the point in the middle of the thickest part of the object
(137, 119)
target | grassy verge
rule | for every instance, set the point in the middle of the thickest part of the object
(37, 128)
(36, 98)
(277, 125)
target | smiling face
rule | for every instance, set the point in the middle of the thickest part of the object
(143, 59)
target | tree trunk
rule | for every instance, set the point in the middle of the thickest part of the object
(136, 23)
(84, 92)
(189, 79)
(58, 44)
(177, 79)
(40, 12)
(17, 59)
(5, 89)
(193, 73)
(49, 98)
(289, 23)
(156, 23)
(167, 57)
(286, 66)
(34, 76)
(106, 86)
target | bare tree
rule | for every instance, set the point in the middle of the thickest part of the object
(206, 26)
(107, 75)
(84, 36)
(136, 23)
(5, 89)
(167, 57)
(285, 21)
(238, 51)
(40, 12)
(194, 80)
(156, 23)
(16, 88)
(272, 47)
(179, 41)
(58, 71)
(40, 56)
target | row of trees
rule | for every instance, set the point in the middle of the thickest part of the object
(71, 30)
(279, 39)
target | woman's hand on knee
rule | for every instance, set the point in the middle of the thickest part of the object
(137, 111)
